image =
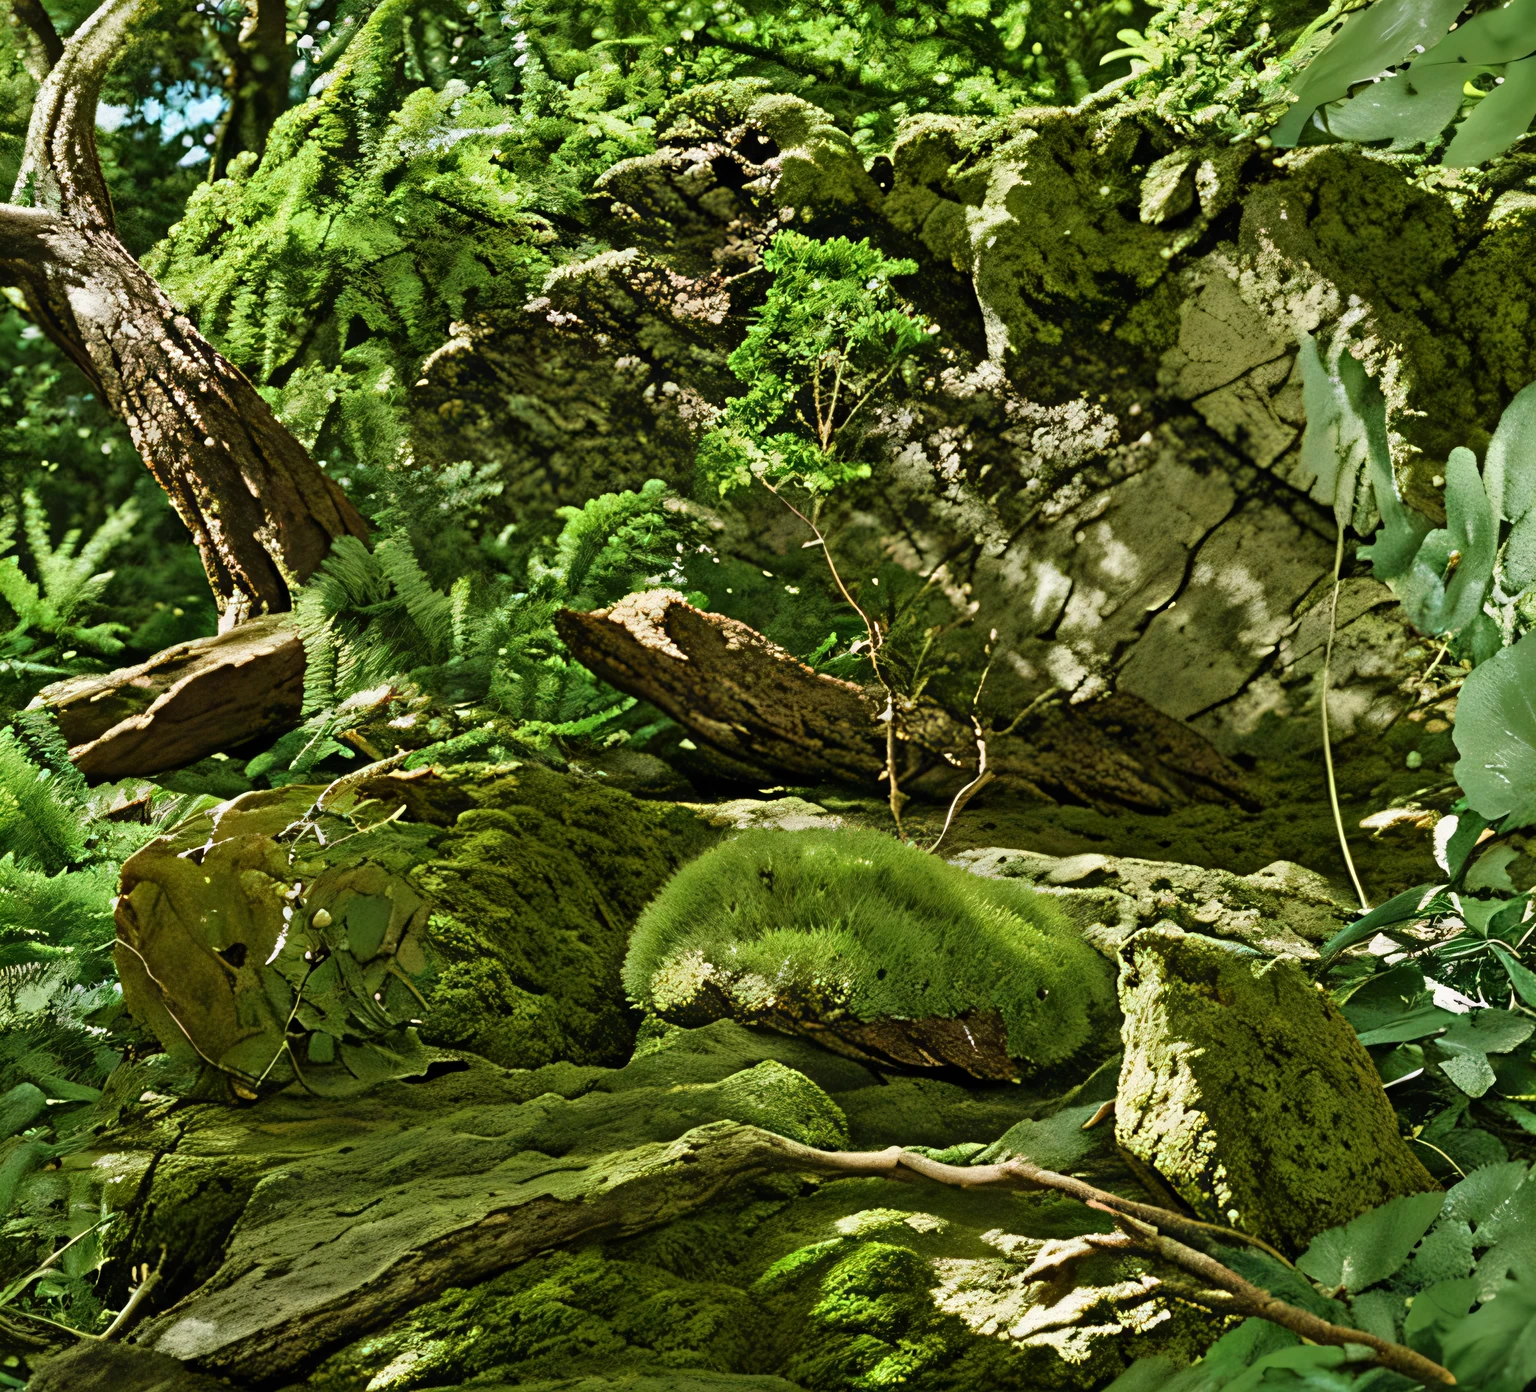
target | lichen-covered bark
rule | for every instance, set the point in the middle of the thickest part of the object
(262, 514)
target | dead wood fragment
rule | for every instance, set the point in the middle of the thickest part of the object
(749, 699)
(184, 703)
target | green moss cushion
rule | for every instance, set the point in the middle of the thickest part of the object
(876, 950)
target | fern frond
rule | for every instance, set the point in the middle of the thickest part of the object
(40, 818)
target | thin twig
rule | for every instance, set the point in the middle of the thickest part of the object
(1254, 1300)
(1333, 790)
(125, 1316)
(1142, 1225)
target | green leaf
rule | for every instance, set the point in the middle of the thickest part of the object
(1419, 1023)
(1497, 121)
(1471, 1072)
(367, 919)
(1494, 1350)
(1509, 470)
(63, 1090)
(1521, 977)
(1345, 440)
(1371, 1247)
(1410, 108)
(1495, 734)
(1435, 1312)
(1369, 42)
(1465, 832)
(1401, 908)
(20, 1107)
(1475, 1198)
(1488, 1031)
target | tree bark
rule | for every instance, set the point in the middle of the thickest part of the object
(749, 699)
(257, 83)
(262, 514)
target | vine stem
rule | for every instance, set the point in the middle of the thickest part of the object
(1333, 787)
(872, 631)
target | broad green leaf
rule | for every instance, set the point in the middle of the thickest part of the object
(1499, 35)
(1370, 41)
(1488, 1031)
(1491, 869)
(1444, 1255)
(1497, 121)
(1305, 1363)
(1371, 1247)
(16, 1166)
(1509, 471)
(1476, 1197)
(20, 1107)
(1411, 108)
(1516, 1076)
(1415, 1024)
(1435, 1311)
(1470, 539)
(1385, 997)
(1495, 734)
(367, 917)
(1401, 908)
(1520, 554)
(1494, 1350)
(1472, 1073)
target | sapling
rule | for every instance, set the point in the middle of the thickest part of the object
(830, 335)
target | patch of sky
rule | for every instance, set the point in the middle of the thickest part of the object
(184, 107)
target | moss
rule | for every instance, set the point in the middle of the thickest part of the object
(824, 926)
(536, 885)
(1249, 1093)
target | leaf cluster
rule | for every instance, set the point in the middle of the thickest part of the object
(1451, 1275)
(375, 627)
(1406, 72)
(831, 332)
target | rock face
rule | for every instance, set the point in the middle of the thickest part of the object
(96, 1367)
(1283, 908)
(1248, 1092)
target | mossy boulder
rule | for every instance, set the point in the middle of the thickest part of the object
(1249, 1093)
(875, 950)
(326, 936)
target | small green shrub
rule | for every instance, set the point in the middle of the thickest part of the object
(837, 924)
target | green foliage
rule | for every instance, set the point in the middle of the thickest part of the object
(1453, 1276)
(1476, 78)
(830, 334)
(46, 635)
(1495, 735)
(845, 922)
(374, 625)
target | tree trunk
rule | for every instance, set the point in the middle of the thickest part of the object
(257, 83)
(262, 514)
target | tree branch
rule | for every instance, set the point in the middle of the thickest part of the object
(60, 168)
(47, 46)
(1140, 1226)
(22, 231)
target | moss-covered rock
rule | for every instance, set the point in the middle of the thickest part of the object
(305, 934)
(874, 949)
(1249, 1093)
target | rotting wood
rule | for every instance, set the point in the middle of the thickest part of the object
(752, 701)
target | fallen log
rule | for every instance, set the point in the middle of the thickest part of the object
(184, 703)
(750, 700)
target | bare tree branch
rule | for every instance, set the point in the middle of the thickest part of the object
(1140, 1226)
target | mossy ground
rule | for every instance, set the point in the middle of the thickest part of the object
(831, 1286)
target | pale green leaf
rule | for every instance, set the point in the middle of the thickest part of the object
(1371, 1247)
(1497, 121)
(1495, 734)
